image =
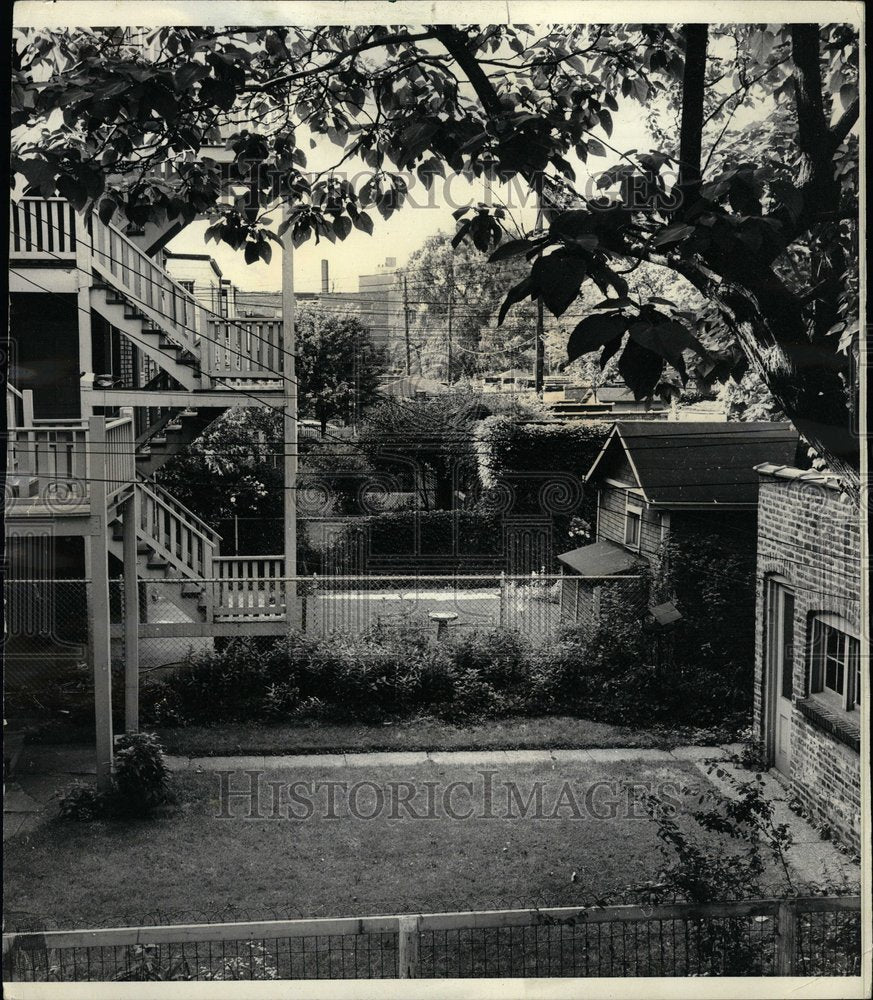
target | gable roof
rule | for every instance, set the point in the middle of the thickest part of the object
(700, 462)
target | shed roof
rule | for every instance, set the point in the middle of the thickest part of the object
(600, 559)
(700, 462)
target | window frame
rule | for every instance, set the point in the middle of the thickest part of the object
(663, 526)
(846, 659)
(635, 510)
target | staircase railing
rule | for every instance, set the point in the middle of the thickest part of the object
(121, 263)
(176, 533)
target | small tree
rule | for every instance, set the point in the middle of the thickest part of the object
(337, 367)
(431, 439)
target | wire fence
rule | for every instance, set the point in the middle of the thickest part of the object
(49, 688)
(804, 936)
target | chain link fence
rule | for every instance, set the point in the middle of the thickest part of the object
(48, 678)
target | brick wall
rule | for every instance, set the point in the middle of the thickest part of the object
(809, 533)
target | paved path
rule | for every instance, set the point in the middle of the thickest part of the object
(42, 771)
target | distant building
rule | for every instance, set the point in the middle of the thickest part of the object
(378, 303)
(414, 387)
(199, 274)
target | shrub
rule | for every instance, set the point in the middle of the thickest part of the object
(141, 779)
(140, 784)
(81, 803)
(398, 672)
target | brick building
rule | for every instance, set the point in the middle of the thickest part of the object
(808, 644)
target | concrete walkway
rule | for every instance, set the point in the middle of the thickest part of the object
(42, 772)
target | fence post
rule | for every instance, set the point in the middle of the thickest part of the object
(786, 928)
(407, 947)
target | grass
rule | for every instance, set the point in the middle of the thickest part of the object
(192, 864)
(552, 732)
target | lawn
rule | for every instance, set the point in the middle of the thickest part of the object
(550, 732)
(194, 864)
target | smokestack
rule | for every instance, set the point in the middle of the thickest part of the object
(325, 277)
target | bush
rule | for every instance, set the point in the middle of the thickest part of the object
(81, 803)
(140, 784)
(399, 672)
(141, 779)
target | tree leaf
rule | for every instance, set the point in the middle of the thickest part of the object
(515, 294)
(558, 278)
(342, 226)
(364, 222)
(673, 234)
(640, 368)
(512, 248)
(593, 333)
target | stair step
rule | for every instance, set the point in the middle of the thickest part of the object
(158, 440)
(157, 563)
(193, 590)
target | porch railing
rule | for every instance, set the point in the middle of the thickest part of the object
(48, 229)
(804, 936)
(244, 347)
(249, 586)
(63, 458)
(43, 229)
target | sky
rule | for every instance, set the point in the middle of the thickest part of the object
(404, 232)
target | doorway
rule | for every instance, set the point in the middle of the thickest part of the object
(779, 648)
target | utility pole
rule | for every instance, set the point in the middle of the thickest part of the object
(540, 350)
(406, 326)
(539, 347)
(449, 326)
(289, 398)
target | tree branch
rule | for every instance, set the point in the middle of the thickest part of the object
(691, 133)
(846, 122)
(403, 36)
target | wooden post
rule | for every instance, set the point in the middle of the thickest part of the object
(83, 309)
(129, 520)
(289, 383)
(786, 929)
(407, 947)
(406, 326)
(98, 603)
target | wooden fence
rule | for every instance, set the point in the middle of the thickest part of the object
(814, 935)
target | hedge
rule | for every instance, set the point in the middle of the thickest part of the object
(396, 673)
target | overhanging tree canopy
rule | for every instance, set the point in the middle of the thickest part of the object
(762, 222)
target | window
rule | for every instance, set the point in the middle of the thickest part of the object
(188, 286)
(632, 526)
(836, 663)
(664, 525)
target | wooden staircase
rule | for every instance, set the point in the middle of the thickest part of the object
(171, 432)
(173, 544)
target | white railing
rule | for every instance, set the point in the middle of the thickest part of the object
(249, 586)
(122, 264)
(64, 458)
(243, 347)
(120, 463)
(43, 229)
(176, 533)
